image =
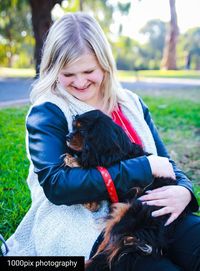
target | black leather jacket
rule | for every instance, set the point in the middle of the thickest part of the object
(47, 128)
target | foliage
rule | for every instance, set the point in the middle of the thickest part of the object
(102, 10)
(126, 53)
(192, 46)
(131, 55)
(17, 42)
(189, 49)
(155, 32)
(16, 39)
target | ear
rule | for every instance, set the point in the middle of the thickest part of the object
(129, 240)
(89, 156)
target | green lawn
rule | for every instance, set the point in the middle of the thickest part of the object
(14, 194)
(11, 72)
(178, 121)
(139, 75)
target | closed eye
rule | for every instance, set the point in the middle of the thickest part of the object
(88, 72)
(68, 74)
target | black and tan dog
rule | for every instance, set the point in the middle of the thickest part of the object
(130, 229)
(97, 141)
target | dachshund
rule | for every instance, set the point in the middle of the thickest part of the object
(130, 230)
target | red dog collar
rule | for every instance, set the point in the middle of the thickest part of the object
(109, 184)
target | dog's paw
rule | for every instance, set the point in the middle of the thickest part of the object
(70, 161)
(92, 206)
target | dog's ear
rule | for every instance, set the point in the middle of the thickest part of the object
(88, 119)
(89, 155)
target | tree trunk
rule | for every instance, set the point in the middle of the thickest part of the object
(41, 21)
(197, 66)
(81, 5)
(188, 61)
(169, 55)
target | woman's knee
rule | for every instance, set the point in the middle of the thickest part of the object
(185, 249)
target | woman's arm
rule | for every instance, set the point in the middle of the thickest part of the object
(182, 179)
(47, 129)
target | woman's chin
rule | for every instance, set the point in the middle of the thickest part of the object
(83, 98)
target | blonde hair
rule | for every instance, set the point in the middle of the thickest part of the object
(68, 39)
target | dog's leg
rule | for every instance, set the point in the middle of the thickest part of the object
(70, 161)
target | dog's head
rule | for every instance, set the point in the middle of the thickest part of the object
(98, 141)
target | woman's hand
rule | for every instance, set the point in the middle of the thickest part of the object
(173, 199)
(161, 167)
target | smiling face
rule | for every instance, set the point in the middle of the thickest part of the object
(83, 79)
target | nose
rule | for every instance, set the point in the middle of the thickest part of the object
(80, 82)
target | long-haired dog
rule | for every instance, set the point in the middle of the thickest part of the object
(130, 228)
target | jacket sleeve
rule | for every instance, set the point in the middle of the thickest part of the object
(47, 128)
(161, 150)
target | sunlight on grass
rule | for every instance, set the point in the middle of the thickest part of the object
(138, 75)
(10, 72)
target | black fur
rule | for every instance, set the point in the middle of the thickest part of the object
(98, 141)
(104, 142)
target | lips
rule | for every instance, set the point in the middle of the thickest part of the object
(82, 89)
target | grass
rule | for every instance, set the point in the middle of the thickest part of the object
(123, 75)
(14, 194)
(182, 74)
(179, 125)
(11, 72)
(177, 118)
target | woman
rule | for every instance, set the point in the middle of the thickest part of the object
(77, 74)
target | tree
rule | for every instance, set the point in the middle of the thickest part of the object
(192, 47)
(155, 32)
(41, 21)
(41, 18)
(102, 10)
(169, 54)
(123, 9)
(126, 52)
(15, 34)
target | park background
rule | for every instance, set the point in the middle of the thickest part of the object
(152, 41)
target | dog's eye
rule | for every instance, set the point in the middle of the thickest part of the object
(78, 124)
(129, 240)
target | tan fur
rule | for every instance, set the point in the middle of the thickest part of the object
(118, 211)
